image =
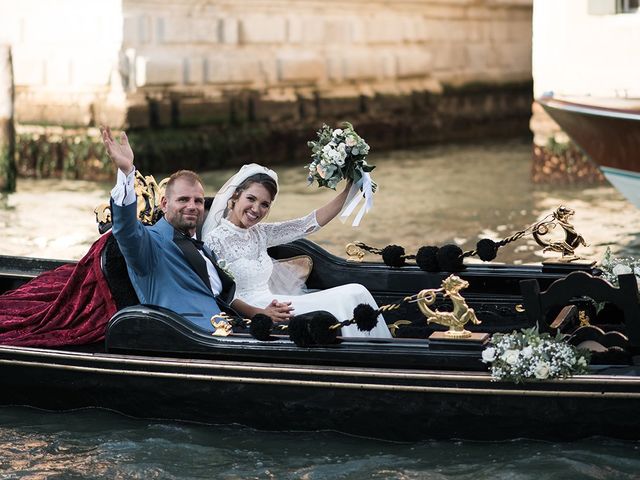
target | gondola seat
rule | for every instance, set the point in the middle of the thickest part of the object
(541, 308)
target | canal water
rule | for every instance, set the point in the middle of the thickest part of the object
(444, 194)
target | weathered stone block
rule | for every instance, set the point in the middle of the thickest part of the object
(303, 29)
(339, 31)
(390, 104)
(137, 30)
(188, 30)
(449, 57)
(160, 113)
(415, 29)
(300, 67)
(45, 112)
(263, 29)
(232, 69)
(194, 72)
(341, 107)
(198, 111)
(275, 110)
(387, 29)
(360, 66)
(137, 116)
(414, 63)
(229, 31)
(158, 71)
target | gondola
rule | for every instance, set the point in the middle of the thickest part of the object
(418, 385)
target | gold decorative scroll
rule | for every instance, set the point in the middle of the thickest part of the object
(149, 194)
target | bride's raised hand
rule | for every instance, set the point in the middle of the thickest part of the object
(119, 152)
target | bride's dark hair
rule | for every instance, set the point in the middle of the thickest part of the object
(263, 179)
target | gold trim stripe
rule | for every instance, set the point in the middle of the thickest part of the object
(315, 383)
(309, 370)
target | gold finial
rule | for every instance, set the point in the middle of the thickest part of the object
(572, 239)
(220, 322)
(461, 314)
(354, 252)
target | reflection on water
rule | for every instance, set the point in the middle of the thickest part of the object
(430, 196)
(97, 444)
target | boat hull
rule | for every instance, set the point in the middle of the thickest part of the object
(608, 134)
(394, 404)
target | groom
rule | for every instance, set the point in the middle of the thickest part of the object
(168, 267)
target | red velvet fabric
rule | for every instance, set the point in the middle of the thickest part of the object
(70, 305)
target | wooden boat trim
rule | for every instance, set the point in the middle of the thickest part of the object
(289, 369)
(320, 384)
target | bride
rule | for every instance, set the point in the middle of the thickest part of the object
(234, 231)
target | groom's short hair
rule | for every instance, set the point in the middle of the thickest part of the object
(188, 175)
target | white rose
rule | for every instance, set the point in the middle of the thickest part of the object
(542, 370)
(488, 355)
(351, 141)
(337, 131)
(511, 356)
(621, 269)
(527, 352)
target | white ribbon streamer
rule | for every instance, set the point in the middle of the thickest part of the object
(363, 188)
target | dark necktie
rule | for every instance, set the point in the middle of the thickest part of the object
(198, 243)
(194, 257)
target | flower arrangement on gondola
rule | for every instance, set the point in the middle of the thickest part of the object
(530, 355)
(613, 266)
(340, 154)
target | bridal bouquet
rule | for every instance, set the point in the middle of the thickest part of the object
(341, 154)
(530, 355)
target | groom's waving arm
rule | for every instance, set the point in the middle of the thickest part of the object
(133, 239)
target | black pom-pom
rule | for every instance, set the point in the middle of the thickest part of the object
(427, 259)
(261, 326)
(392, 256)
(487, 249)
(365, 316)
(319, 328)
(450, 258)
(299, 331)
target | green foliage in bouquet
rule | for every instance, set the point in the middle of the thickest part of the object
(338, 154)
(530, 355)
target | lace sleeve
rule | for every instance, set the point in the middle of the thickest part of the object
(290, 230)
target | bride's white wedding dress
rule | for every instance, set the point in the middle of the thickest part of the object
(244, 253)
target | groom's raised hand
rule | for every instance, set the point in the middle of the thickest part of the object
(120, 153)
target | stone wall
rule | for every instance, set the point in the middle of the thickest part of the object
(242, 76)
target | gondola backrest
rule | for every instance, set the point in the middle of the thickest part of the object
(114, 268)
(538, 304)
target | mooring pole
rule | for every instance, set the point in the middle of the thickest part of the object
(7, 128)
